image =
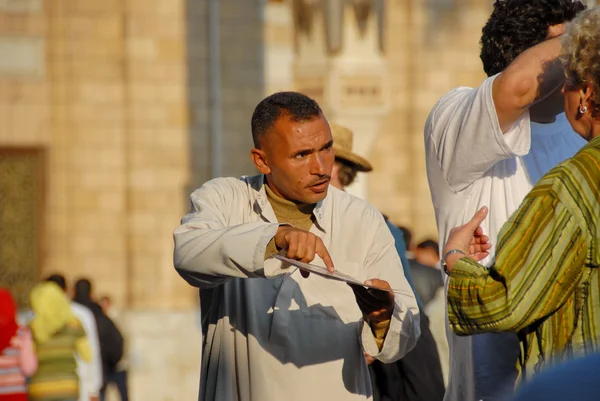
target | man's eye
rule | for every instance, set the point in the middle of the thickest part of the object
(300, 156)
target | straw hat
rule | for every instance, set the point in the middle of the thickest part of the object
(342, 146)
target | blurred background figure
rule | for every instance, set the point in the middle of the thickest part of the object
(428, 253)
(120, 377)
(429, 286)
(573, 380)
(17, 356)
(59, 339)
(111, 341)
(422, 262)
(105, 303)
(89, 372)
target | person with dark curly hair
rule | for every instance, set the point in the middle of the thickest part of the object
(544, 283)
(488, 146)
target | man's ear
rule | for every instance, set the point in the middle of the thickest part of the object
(260, 161)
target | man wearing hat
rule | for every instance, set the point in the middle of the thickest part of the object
(347, 164)
(417, 376)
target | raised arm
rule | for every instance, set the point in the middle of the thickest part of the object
(470, 130)
(532, 77)
(541, 255)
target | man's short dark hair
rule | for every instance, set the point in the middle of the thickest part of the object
(517, 25)
(58, 279)
(431, 244)
(296, 106)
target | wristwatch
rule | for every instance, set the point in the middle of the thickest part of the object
(450, 252)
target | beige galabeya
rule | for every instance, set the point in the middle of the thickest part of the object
(343, 139)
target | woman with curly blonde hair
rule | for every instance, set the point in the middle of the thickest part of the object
(581, 54)
(544, 284)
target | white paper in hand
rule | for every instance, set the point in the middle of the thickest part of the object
(323, 272)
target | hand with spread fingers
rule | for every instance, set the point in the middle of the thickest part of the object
(376, 305)
(468, 240)
(303, 246)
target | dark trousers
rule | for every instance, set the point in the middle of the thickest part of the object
(119, 379)
(416, 377)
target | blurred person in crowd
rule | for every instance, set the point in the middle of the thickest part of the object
(119, 379)
(425, 280)
(418, 375)
(428, 253)
(106, 304)
(488, 146)
(573, 380)
(407, 237)
(544, 282)
(110, 338)
(429, 286)
(278, 333)
(89, 372)
(18, 360)
(59, 338)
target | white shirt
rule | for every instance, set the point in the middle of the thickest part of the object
(276, 336)
(90, 373)
(471, 163)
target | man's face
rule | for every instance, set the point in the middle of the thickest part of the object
(298, 158)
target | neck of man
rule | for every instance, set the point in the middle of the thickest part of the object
(278, 200)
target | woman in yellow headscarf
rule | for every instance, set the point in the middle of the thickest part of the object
(58, 336)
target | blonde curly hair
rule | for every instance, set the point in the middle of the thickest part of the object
(581, 53)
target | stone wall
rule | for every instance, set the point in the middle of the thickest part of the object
(100, 88)
(241, 85)
(163, 355)
(117, 121)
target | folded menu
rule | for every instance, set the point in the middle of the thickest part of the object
(336, 275)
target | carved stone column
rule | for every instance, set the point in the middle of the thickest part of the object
(340, 63)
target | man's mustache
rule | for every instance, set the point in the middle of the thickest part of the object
(320, 180)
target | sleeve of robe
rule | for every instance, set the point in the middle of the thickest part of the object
(208, 251)
(383, 262)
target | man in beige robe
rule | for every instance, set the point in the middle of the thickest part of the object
(272, 332)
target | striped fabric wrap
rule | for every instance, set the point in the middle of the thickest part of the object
(56, 377)
(12, 379)
(544, 284)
